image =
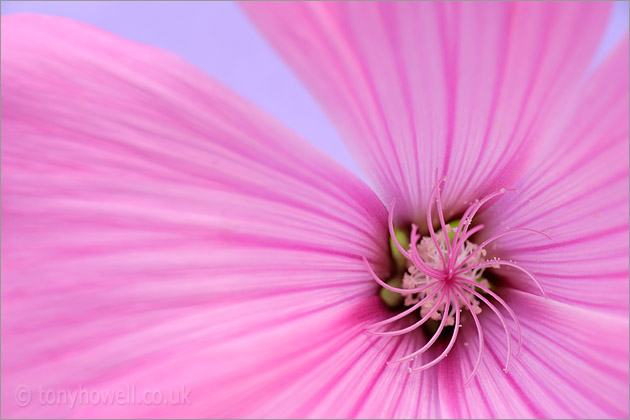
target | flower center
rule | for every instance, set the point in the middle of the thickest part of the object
(440, 275)
(431, 254)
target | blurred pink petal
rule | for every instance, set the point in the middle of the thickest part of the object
(574, 364)
(464, 86)
(577, 192)
(158, 231)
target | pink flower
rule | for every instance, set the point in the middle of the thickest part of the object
(170, 251)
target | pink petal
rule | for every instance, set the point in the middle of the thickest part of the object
(574, 364)
(158, 232)
(577, 192)
(464, 88)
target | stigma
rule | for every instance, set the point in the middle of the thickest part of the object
(443, 276)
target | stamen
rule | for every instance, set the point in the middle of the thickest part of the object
(462, 242)
(415, 257)
(501, 319)
(430, 222)
(476, 206)
(428, 345)
(392, 288)
(464, 221)
(407, 312)
(479, 333)
(469, 214)
(448, 348)
(496, 261)
(497, 236)
(446, 262)
(502, 302)
(441, 217)
(419, 323)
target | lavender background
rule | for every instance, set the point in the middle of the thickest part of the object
(218, 38)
